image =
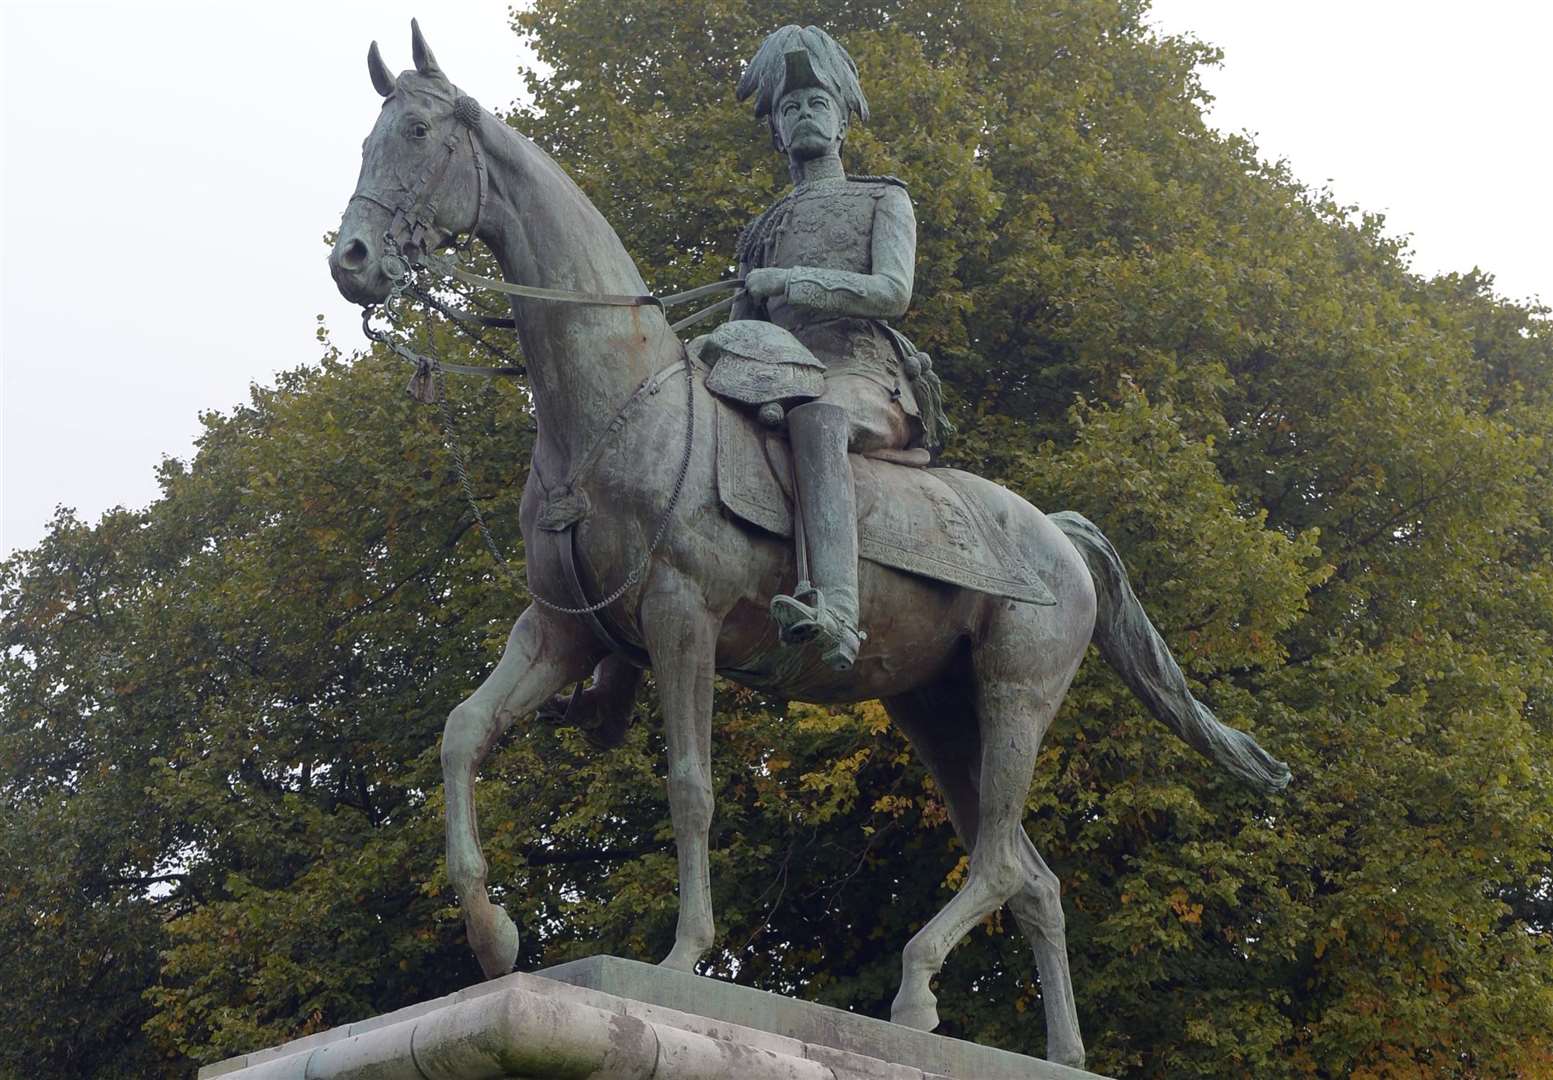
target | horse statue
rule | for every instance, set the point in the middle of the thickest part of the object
(626, 473)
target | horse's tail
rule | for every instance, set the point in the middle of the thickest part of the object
(1132, 646)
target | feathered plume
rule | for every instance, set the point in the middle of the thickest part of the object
(828, 64)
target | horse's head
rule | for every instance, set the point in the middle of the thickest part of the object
(420, 181)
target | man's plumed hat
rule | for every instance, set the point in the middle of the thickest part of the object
(798, 56)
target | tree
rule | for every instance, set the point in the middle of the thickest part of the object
(1330, 479)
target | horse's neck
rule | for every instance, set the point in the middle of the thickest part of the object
(584, 360)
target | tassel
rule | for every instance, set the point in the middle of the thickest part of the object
(930, 403)
(423, 387)
(917, 366)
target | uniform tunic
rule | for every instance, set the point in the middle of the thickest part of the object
(851, 246)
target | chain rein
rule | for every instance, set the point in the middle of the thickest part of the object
(430, 371)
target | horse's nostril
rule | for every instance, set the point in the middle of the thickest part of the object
(354, 255)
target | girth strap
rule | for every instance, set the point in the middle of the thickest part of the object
(566, 541)
(594, 612)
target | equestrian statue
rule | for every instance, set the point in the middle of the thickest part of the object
(756, 503)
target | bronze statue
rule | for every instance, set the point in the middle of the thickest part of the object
(979, 606)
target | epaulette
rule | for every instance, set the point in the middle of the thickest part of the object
(897, 181)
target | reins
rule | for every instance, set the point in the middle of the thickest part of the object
(450, 268)
(417, 211)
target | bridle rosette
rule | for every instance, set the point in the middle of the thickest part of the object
(467, 111)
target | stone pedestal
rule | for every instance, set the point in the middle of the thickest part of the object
(616, 1018)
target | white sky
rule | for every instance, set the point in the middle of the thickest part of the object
(1434, 112)
(167, 171)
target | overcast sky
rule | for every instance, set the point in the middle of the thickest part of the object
(167, 171)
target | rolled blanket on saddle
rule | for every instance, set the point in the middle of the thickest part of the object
(760, 364)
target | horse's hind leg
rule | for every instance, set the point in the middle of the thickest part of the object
(1038, 909)
(542, 655)
(944, 735)
(986, 783)
(602, 712)
(1011, 730)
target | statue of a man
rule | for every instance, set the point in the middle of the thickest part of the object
(829, 262)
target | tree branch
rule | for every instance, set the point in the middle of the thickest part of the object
(550, 857)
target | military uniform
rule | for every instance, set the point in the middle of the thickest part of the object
(850, 244)
(824, 268)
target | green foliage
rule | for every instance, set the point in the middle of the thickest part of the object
(220, 726)
(1331, 481)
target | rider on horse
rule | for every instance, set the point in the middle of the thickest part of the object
(829, 262)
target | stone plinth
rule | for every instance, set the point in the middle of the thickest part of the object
(616, 1018)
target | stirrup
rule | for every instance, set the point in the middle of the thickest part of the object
(799, 622)
(798, 616)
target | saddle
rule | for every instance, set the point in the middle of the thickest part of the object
(929, 522)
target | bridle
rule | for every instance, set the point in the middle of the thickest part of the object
(415, 214)
(417, 209)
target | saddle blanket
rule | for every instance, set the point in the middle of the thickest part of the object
(924, 521)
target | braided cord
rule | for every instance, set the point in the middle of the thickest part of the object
(461, 467)
(428, 366)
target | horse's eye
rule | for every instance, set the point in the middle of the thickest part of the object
(419, 130)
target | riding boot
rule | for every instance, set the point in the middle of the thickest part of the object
(824, 609)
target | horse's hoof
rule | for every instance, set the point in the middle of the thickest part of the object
(1071, 1060)
(494, 939)
(921, 1015)
(682, 958)
(554, 710)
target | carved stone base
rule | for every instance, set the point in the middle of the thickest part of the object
(619, 1018)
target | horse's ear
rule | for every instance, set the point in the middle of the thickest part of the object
(425, 63)
(382, 78)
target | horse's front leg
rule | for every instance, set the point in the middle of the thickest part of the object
(543, 653)
(681, 638)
